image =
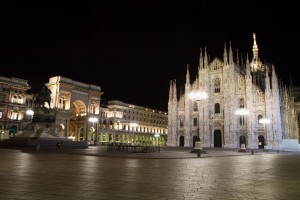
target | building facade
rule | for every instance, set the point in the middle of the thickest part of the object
(78, 114)
(131, 124)
(80, 117)
(15, 106)
(233, 104)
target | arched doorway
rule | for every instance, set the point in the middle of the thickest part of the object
(81, 134)
(181, 141)
(12, 131)
(242, 140)
(78, 120)
(195, 139)
(261, 142)
(217, 139)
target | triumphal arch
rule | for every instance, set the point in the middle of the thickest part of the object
(75, 103)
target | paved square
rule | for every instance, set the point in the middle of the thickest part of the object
(171, 174)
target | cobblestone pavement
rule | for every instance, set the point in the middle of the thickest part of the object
(173, 173)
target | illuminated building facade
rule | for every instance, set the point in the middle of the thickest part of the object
(14, 106)
(131, 124)
(78, 114)
(77, 103)
(239, 103)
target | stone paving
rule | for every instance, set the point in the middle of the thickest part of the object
(174, 173)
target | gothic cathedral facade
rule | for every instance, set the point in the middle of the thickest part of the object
(233, 104)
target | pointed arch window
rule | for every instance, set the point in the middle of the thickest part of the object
(195, 122)
(217, 85)
(217, 108)
(242, 120)
(241, 103)
(181, 123)
(258, 118)
(196, 106)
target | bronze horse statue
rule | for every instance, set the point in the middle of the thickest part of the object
(43, 96)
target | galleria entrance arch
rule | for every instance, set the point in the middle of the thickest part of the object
(75, 103)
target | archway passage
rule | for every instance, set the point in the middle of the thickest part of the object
(181, 141)
(217, 139)
(81, 134)
(261, 142)
(78, 120)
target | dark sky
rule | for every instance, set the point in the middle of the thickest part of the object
(132, 49)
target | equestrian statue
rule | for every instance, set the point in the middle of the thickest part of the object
(43, 96)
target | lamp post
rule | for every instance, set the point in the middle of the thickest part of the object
(199, 96)
(29, 113)
(157, 135)
(265, 121)
(242, 112)
(133, 125)
(95, 120)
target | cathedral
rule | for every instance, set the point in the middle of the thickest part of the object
(233, 104)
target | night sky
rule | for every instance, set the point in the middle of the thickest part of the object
(132, 49)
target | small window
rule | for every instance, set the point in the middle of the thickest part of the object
(196, 106)
(241, 103)
(195, 122)
(181, 123)
(242, 120)
(217, 108)
(258, 118)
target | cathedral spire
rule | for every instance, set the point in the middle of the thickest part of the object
(205, 59)
(225, 55)
(248, 70)
(274, 79)
(255, 48)
(255, 64)
(230, 54)
(174, 91)
(201, 60)
(187, 75)
(267, 79)
(171, 91)
(242, 62)
(237, 57)
(247, 59)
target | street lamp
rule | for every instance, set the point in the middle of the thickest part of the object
(157, 135)
(242, 112)
(199, 96)
(265, 121)
(133, 125)
(95, 120)
(30, 113)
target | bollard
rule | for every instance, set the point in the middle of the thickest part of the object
(252, 151)
(198, 153)
(38, 146)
